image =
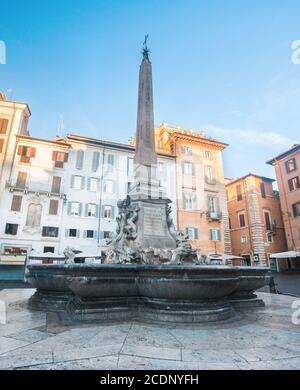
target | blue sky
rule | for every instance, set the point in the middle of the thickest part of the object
(219, 66)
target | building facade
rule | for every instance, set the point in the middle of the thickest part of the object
(287, 170)
(256, 225)
(200, 186)
(63, 192)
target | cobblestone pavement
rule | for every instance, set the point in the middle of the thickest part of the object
(263, 338)
(286, 283)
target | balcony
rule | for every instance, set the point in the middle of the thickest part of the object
(209, 180)
(37, 190)
(214, 215)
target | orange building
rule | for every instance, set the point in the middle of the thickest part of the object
(256, 225)
(287, 170)
(201, 195)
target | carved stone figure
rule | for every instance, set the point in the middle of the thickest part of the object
(70, 255)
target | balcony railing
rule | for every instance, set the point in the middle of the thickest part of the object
(214, 215)
(28, 190)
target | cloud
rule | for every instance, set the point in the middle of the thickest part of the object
(249, 137)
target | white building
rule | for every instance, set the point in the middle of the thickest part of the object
(60, 193)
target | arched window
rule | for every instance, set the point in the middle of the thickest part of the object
(34, 215)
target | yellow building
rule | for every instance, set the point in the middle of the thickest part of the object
(201, 195)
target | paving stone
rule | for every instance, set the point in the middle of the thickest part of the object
(8, 344)
(61, 354)
(152, 352)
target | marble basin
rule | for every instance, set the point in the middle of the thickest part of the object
(161, 293)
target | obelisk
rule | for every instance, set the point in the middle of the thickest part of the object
(145, 160)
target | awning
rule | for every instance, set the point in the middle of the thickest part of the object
(223, 256)
(87, 255)
(47, 255)
(285, 255)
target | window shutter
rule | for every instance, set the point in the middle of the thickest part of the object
(211, 234)
(86, 210)
(67, 233)
(95, 234)
(32, 152)
(84, 234)
(16, 203)
(183, 201)
(82, 182)
(77, 233)
(79, 159)
(113, 212)
(196, 233)
(53, 207)
(217, 200)
(219, 234)
(72, 181)
(1, 144)
(187, 232)
(95, 163)
(54, 155)
(97, 211)
(80, 210)
(89, 184)
(20, 150)
(193, 169)
(66, 157)
(69, 208)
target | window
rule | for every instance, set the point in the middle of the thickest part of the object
(294, 183)
(110, 162)
(107, 234)
(186, 150)
(290, 165)
(215, 234)
(296, 209)
(26, 153)
(187, 168)
(242, 221)
(263, 190)
(49, 249)
(73, 233)
(50, 231)
(229, 223)
(108, 212)
(95, 162)
(108, 186)
(79, 159)
(189, 201)
(91, 210)
(267, 220)
(93, 184)
(207, 154)
(1, 144)
(210, 176)
(77, 182)
(59, 158)
(16, 203)
(11, 228)
(130, 166)
(56, 182)
(192, 233)
(53, 207)
(3, 125)
(90, 234)
(21, 180)
(244, 239)
(74, 208)
(213, 204)
(270, 238)
(239, 195)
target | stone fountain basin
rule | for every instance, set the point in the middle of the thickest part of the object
(172, 282)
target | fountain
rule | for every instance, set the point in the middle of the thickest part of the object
(151, 272)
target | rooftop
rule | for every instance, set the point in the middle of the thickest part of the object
(293, 149)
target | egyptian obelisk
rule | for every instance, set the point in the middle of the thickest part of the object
(145, 160)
